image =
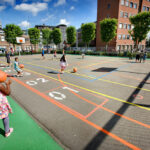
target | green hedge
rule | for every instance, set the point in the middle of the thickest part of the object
(125, 54)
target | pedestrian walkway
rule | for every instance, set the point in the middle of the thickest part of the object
(27, 134)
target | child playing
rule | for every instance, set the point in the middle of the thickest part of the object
(16, 67)
(5, 108)
(63, 64)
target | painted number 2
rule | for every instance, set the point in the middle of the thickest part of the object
(32, 83)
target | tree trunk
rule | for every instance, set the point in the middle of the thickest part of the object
(106, 47)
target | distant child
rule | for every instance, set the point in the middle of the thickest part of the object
(138, 56)
(144, 57)
(8, 57)
(55, 54)
(5, 108)
(16, 67)
(43, 54)
(63, 64)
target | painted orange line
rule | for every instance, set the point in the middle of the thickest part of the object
(77, 115)
(127, 118)
(120, 115)
(104, 103)
(130, 119)
(52, 89)
(88, 101)
(91, 113)
(48, 98)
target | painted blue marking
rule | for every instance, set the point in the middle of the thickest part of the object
(104, 75)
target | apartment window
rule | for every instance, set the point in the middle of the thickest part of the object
(120, 25)
(125, 15)
(130, 14)
(108, 6)
(131, 5)
(127, 2)
(125, 26)
(119, 36)
(2, 38)
(144, 8)
(128, 37)
(129, 26)
(147, 8)
(121, 14)
(123, 36)
(135, 6)
(118, 47)
(122, 2)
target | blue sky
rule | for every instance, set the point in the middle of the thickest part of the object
(28, 13)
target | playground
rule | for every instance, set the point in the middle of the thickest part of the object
(104, 105)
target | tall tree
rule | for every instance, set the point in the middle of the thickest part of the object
(71, 35)
(47, 36)
(141, 23)
(88, 32)
(108, 29)
(57, 36)
(34, 35)
(11, 32)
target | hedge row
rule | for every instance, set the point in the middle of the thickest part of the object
(125, 54)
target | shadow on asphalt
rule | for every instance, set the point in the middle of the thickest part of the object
(53, 72)
(2, 132)
(144, 105)
(104, 69)
(96, 142)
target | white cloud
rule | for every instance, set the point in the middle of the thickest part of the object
(2, 8)
(64, 21)
(25, 24)
(34, 8)
(47, 18)
(60, 2)
(72, 8)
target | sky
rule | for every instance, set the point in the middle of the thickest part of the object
(28, 13)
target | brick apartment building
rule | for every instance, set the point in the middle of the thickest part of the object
(5, 45)
(121, 10)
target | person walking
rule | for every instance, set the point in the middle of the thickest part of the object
(43, 57)
(8, 57)
(144, 57)
(141, 56)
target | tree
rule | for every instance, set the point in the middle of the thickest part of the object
(47, 36)
(71, 35)
(57, 36)
(108, 29)
(11, 32)
(88, 32)
(141, 23)
(34, 35)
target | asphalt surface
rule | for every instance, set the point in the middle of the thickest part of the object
(104, 105)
